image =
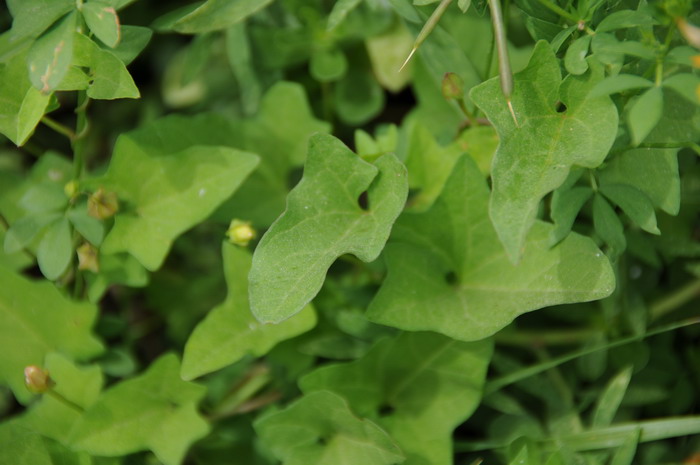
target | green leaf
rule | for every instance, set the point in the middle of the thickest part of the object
(50, 56)
(22, 104)
(55, 250)
(21, 446)
(624, 19)
(625, 453)
(103, 21)
(230, 331)
(14, 260)
(575, 58)
(211, 15)
(331, 433)
(240, 57)
(32, 17)
(634, 203)
(340, 11)
(535, 156)
(686, 85)
(447, 271)
(418, 386)
(619, 83)
(464, 5)
(387, 52)
(110, 78)
(156, 411)
(328, 65)
(172, 179)
(23, 231)
(644, 114)
(611, 398)
(358, 97)
(37, 318)
(133, 40)
(324, 220)
(89, 227)
(608, 225)
(565, 207)
(115, 269)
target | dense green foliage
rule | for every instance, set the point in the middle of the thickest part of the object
(345, 232)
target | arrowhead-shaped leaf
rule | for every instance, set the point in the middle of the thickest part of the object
(320, 429)
(534, 157)
(103, 21)
(156, 411)
(36, 319)
(168, 179)
(50, 56)
(230, 331)
(419, 386)
(447, 271)
(323, 220)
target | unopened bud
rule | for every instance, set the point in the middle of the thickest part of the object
(452, 86)
(37, 380)
(87, 258)
(240, 232)
(71, 189)
(102, 204)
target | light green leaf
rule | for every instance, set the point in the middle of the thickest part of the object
(686, 84)
(624, 19)
(50, 56)
(15, 260)
(103, 21)
(211, 15)
(37, 318)
(387, 52)
(575, 58)
(22, 446)
(172, 179)
(331, 433)
(447, 271)
(644, 114)
(464, 5)
(565, 207)
(156, 411)
(230, 331)
(634, 203)
(619, 83)
(115, 269)
(324, 220)
(611, 398)
(89, 227)
(534, 157)
(328, 65)
(133, 40)
(32, 17)
(608, 226)
(22, 104)
(418, 386)
(23, 231)
(340, 11)
(55, 249)
(625, 453)
(240, 57)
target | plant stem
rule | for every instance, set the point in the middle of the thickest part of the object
(675, 300)
(81, 130)
(64, 401)
(58, 127)
(544, 338)
(559, 10)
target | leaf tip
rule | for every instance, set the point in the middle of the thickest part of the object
(408, 58)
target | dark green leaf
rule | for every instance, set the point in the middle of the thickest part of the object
(565, 207)
(32, 17)
(328, 65)
(89, 227)
(624, 19)
(686, 85)
(358, 97)
(240, 57)
(644, 114)
(23, 231)
(611, 398)
(340, 11)
(608, 225)
(55, 249)
(133, 40)
(103, 21)
(634, 203)
(213, 15)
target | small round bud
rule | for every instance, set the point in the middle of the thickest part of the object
(452, 86)
(37, 380)
(240, 232)
(71, 189)
(87, 258)
(102, 204)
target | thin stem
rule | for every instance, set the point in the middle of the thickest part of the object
(675, 300)
(66, 402)
(81, 130)
(544, 338)
(470, 116)
(559, 10)
(58, 127)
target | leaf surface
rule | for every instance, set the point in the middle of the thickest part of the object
(50, 56)
(35, 317)
(230, 331)
(447, 271)
(534, 158)
(324, 220)
(331, 433)
(418, 386)
(156, 411)
(103, 21)
(171, 179)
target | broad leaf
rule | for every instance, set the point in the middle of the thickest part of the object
(32, 17)
(566, 204)
(37, 318)
(619, 83)
(20, 445)
(55, 249)
(230, 331)
(156, 411)
(23, 105)
(418, 386)
(110, 78)
(168, 179)
(447, 271)
(133, 40)
(608, 226)
(323, 220)
(534, 157)
(575, 58)
(634, 203)
(331, 433)
(340, 11)
(211, 15)
(50, 56)
(103, 21)
(644, 114)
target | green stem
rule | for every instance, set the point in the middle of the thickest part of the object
(81, 130)
(65, 401)
(559, 10)
(427, 29)
(544, 338)
(675, 300)
(470, 116)
(58, 127)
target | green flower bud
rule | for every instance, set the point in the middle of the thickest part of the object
(240, 232)
(452, 86)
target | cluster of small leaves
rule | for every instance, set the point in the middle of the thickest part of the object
(424, 261)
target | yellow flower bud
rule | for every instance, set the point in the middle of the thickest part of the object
(240, 232)
(102, 204)
(71, 189)
(37, 380)
(87, 258)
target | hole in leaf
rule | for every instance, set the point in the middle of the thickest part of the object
(322, 441)
(560, 107)
(385, 410)
(363, 201)
(451, 278)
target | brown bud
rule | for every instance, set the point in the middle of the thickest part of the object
(690, 32)
(87, 258)
(37, 380)
(452, 86)
(102, 204)
(240, 232)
